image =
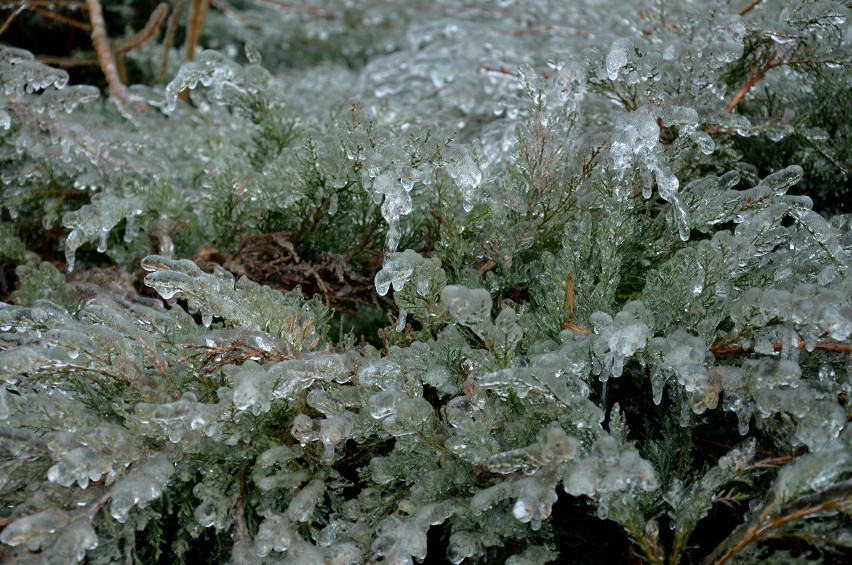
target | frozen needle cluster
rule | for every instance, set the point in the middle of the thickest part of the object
(480, 282)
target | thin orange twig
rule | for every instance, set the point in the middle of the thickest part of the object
(752, 5)
(45, 4)
(65, 20)
(723, 350)
(761, 526)
(753, 80)
(139, 38)
(196, 23)
(146, 33)
(576, 328)
(569, 298)
(168, 40)
(67, 62)
(10, 19)
(106, 58)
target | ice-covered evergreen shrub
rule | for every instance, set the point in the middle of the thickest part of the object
(611, 299)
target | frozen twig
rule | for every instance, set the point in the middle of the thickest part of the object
(832, 500)
(107, 58)
(168, 40)
(751, 6)
(10, 19)
(146, 33)
(197, 16)
(724, 350)
(752, 80)
(139, 38)
(64, 20)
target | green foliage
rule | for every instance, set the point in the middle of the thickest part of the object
(467, 283)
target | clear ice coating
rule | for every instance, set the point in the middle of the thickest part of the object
(5, 412)
(33, 531)
(780, 367)
(20, 73)
(621, 337)
(302, 505)
(276, 533)
(97, 219)
(471, 307)
(401, 538)
(397, 269)
(463, 169)
(140, 486)
(617, 57)
(211, 69)
(609, 469)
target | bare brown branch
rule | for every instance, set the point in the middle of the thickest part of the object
(197, 16)
(752, 80)
(751, 6)
(724, 349)
(146, 33)
(107, 58)
(64, 20)
(834, 499)
(68, 62)
(79, 5)
(168, 40)
(10, 19)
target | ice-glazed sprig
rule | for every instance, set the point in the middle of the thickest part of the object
(20, 73)
(401, 537)
(242, 303)
(97, 219)
(211, 69)
(142, 484)
(620, 338)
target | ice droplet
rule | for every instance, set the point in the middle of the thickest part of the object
(252, 54)
(4, 405)
(302, 506)
(470, 307)
(102, 241)
(616, 59)
(32, 529)
(704, 142)
(826, 373)
(396, 271)
(400, 321)
(75, 239)
(658, 383)
(464, 170)
(167, 293)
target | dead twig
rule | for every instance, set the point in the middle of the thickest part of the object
(70, 367)
(569, 299)
(236, 351)
(146, 33)
(106, 58)
(751, 6)
(76, 4)
(197, 16)
(772, 518)
(753, 80)
(139, 38)
(723, 350)
(168, 40)
(10, 19)
(64, 20)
